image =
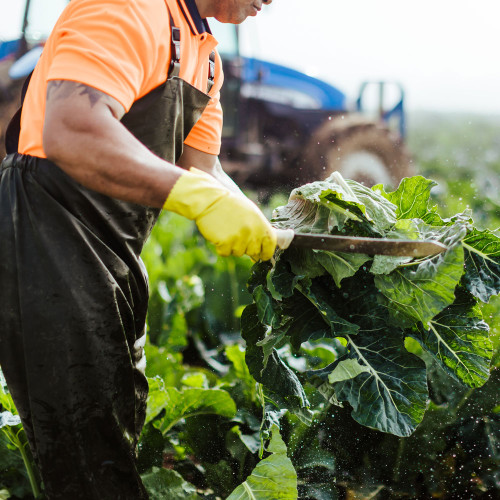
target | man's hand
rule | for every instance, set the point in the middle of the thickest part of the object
(229, 220)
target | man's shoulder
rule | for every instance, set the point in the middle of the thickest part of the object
(150, 5)
(146, 19)
(152, 10)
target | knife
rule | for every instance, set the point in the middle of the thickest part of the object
(353, 244)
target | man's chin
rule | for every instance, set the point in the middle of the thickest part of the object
(231, 20)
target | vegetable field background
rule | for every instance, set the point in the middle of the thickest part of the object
(213, 432)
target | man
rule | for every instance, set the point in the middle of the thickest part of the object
(124, 91)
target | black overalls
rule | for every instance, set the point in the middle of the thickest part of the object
(73, 301)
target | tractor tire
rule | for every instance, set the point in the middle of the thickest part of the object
(365, 151)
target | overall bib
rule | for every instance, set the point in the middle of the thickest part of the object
(73, 302)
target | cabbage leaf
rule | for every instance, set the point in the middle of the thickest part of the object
(371, 304)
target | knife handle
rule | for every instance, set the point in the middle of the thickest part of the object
(284, 238)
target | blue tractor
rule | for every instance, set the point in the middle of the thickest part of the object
(281, 127)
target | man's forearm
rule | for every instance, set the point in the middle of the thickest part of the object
(209, 163)
(221, 175)
(110, 160)
(84, 137)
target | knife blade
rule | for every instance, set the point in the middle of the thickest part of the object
(355, 244)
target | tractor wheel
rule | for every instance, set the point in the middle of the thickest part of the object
(365, 151)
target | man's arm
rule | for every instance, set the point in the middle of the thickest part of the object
(84, 137)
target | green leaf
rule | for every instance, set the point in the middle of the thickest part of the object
(271, 418)
(482, 264)
(390, 393)
(420, 291)
(305, 321)
(173, 405)
(258, 275)
(198, 380)
(320, 297)
(303, 263)
(388, 387)
(397, 399)
(6, 402)
(267, 310)
(393, 385)
(348, 200)
(236, 354)
(190, 402)
(235, 439)
(165, 483)
(345, 370)
(264, 302)
(458, 339)
(411, 197)
(156, 397)
(406, 229)
(273, 478)
(381, 212)
(240, 383)
(340, 265)
(276, 445)
(282, 278)
(164, 363)
(13, 472)
(272, 341)
(323, 206)
(275, 373)
(304, 216)
(321, 353)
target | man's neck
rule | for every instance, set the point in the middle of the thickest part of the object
(204, 7)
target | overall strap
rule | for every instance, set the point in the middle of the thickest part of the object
(14, 127)
(175, 49)
(175, 58)
(211, 71)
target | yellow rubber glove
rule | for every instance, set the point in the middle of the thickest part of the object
(230, 221)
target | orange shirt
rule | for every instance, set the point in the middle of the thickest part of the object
(122, 48)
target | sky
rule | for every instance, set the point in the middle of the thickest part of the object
(443, 52)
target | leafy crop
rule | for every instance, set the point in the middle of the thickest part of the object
(378, 307)
(14, 451)
(211, 442)
(273, 478)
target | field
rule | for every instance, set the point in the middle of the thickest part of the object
(208, 420)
